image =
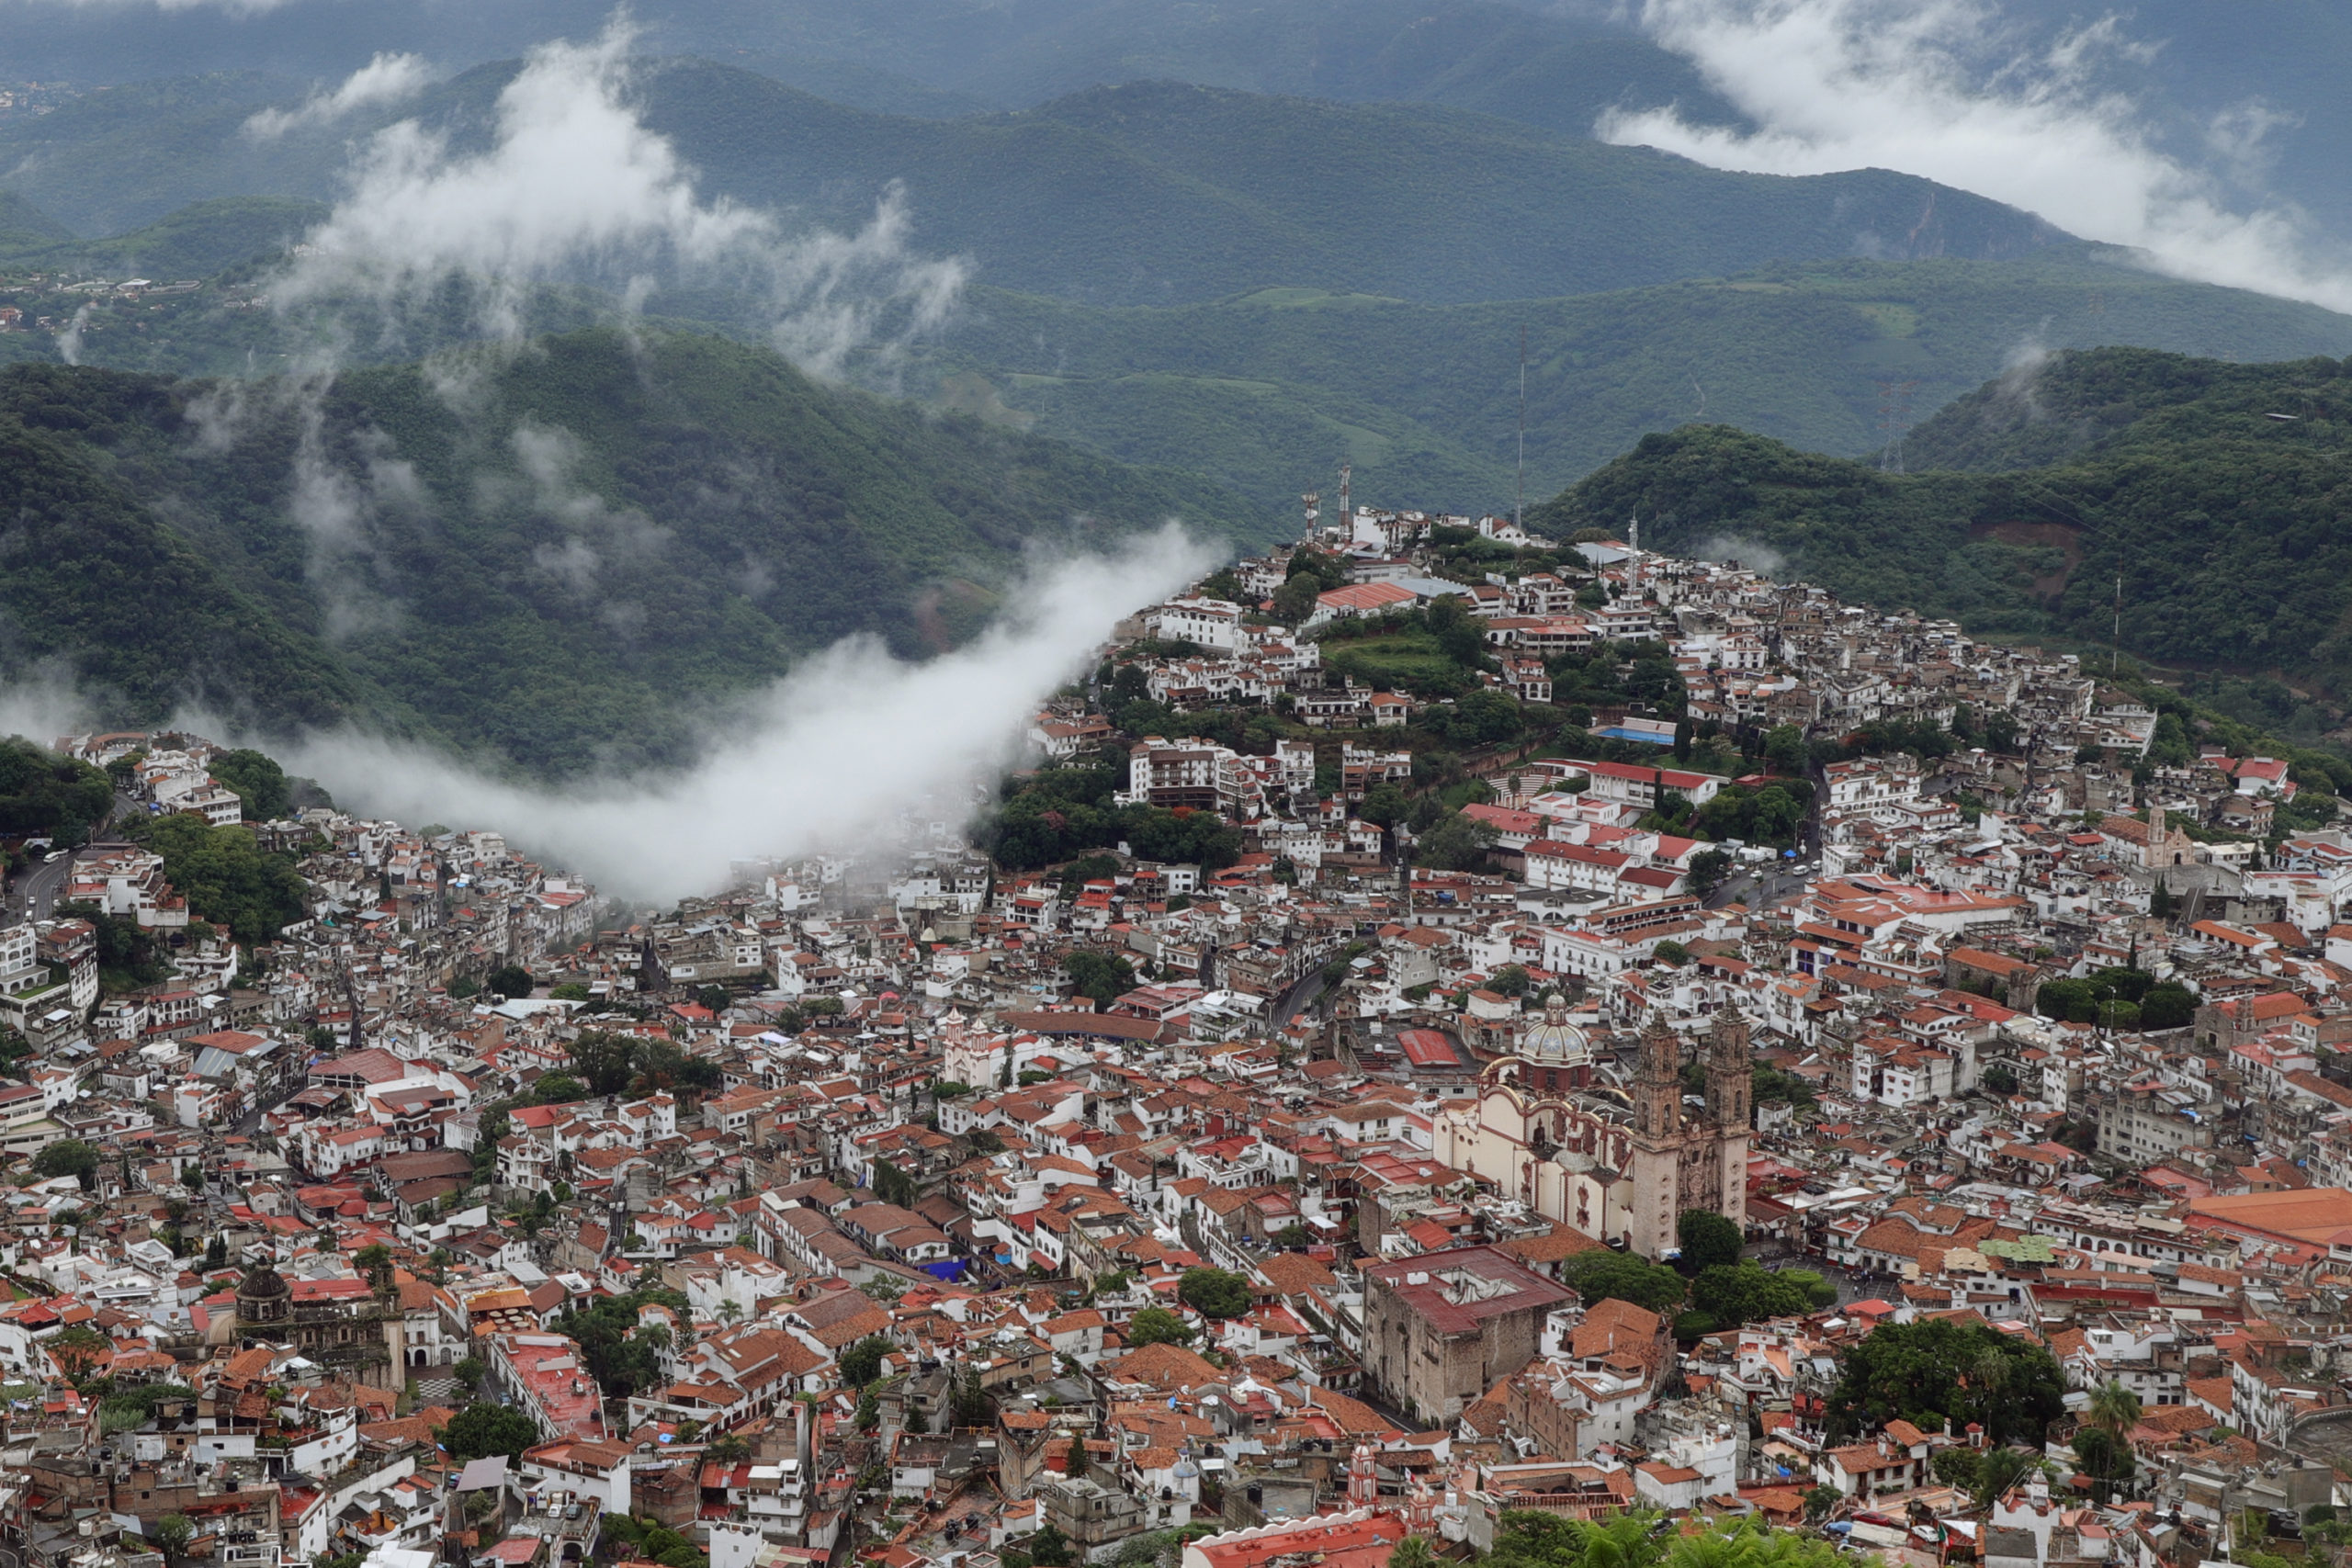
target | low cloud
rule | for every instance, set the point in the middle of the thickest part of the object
(833, 758)
(1753, 554)
(574, 188)
(1945, 90)
(386, 79)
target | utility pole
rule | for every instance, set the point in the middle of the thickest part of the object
(2115, 647)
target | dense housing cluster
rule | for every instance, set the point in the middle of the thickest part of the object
(1451, 1026)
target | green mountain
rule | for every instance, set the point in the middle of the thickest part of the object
(1151, 193)
(2216, 491)
(24, 226)
(195, 243)
(1270, 391)
(1159, 193)
(578, 553)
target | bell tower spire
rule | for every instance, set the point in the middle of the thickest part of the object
(1657, 1083)
(1731, 1076)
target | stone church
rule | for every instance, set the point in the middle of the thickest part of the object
(354, 1329)
(1617, 1164)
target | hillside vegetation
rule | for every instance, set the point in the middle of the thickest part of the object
(1270, 391)
(2223, 522)
(576, 553)
(1149, 193)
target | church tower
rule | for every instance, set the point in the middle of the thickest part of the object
(1731, 1088)
(1731, 1074)
(1655, 1166)
(1657, 1083)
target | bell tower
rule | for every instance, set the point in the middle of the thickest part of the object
(1655, 1166)
(1657, 1083)
(1731, 1088)
(1731, 1074)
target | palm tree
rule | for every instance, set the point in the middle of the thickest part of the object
(2114, 1408)
(1412, 1553)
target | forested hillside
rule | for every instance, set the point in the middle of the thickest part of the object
(2216, 491)
(1151, 193)
(571, 553)
(1268, 391)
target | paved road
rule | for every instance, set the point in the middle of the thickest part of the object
(35, 891)
(1776, 884)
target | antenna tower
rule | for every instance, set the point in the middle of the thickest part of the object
(1313, 501)
(2115, 647)
(1895, 419)
(1347, 507)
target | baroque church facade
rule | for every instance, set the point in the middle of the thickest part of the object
(1620, 1165)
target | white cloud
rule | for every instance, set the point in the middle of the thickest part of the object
(832, 758)
(574, 185)
(386, 79)
(1942, 89)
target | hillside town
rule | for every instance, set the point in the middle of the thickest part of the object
(1448, 1027)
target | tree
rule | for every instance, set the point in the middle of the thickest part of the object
(1101, 977)
(1603, 1275)
(78, 1350)
(1706, 1240)
(1965, 1371)
(172, 1534)
(224, 875)
(1819, 1500)
(2114, 1408)
(1157, 1326)
(2105, 1458)
(374, 1262)
(869, 1411)
(1413, 1551)
(508, 980)
(1742, 1293)
(1385, 804)
(970, 1404)
(470, 1370)
(1074, 1462)
(1049, 1549)
(2000, 1470)
(216, 1252)
(603, 1060)
(1708, 870)
(481, 1429)
(558, 1088)
(1454, 843)
(1673, 954)
(727, 1448)
(68, 1157)
(1214, 1292)
(862, 1362)
(257, 782)
(1958, 1467)
(1785, 750)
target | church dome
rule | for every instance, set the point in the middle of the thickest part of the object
(1552, 1041)
(263, 1295)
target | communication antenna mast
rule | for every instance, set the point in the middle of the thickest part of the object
(1347, 507)
(1894, 418)
(1314, 501)
(1519, 508)
(2115, 647)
